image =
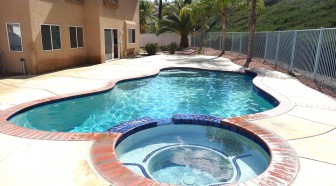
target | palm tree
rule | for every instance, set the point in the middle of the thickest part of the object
(172, 22)
(251, 26)
(200, 11)
(253, 5)
(160, 9)
(146, 15)
(222, 6)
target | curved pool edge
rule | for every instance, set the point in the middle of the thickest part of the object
(285, 104)
(282, 170)
(14, 130)
(284, 164)
(11, 129)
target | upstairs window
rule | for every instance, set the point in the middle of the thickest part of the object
(51, 37)
(131, 35)
(14, 37)
(111, 3)
(75, 1)
(76, 37)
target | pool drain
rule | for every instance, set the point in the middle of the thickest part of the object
(189, 180)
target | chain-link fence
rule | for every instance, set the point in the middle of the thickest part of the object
(311, 52)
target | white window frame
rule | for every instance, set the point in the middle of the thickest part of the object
(76, 37)
(111, 1)
(9, 47)
(52, 44)
(130, 36)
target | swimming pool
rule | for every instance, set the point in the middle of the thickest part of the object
(170, 92)
(192, 154)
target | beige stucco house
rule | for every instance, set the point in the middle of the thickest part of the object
(48, 35)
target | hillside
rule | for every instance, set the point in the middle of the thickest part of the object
(287, 15)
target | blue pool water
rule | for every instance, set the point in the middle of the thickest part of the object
(171, 92)
(192, 155)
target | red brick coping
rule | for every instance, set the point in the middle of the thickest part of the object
(282, 169)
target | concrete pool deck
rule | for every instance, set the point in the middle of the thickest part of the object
(308, 123)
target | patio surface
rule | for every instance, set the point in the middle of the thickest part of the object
(307, 121)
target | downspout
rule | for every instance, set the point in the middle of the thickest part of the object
(23, 66)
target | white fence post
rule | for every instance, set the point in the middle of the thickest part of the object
(194, 36)
(220, 41)
(266, 46)
(293, 51)
(240, 45)
(277, 49)
(210, 40)
(231, 42)
(318, 53)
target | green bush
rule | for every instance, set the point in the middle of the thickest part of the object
(172, 48)
(164, 48)
(151, 48)
(200, 51)
(180, 49)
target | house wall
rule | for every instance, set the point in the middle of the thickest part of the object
(63, 13)
(93, 34)
(93, 15)
(114, 17)
(17, 11)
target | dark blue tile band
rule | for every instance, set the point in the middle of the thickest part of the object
(133, 126)
(196, 119)
(143, 170)
(266, 96)
(181, 145)
(234, 160)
